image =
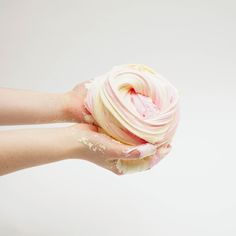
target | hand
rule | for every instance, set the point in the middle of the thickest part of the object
(32, 107)
(50, 145)
(33, 147)
(74, 105)
(104, 151)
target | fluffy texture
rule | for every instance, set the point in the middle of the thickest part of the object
(134, 105)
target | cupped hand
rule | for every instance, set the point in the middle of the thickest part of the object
(104, 151)
(74, 105)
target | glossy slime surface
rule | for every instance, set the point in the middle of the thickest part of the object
(134, 104)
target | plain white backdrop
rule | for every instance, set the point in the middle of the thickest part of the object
(53, 45)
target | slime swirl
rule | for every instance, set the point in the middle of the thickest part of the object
(134, 104)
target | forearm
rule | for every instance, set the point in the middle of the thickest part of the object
(21, 149)
(29, 107)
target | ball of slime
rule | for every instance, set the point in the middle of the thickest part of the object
(135, 105)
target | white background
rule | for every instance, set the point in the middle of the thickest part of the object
(53, 45)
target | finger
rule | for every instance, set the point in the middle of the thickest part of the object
(118, 150)
(134, 166)
(154, 160)
(115, 170)
(138, 152)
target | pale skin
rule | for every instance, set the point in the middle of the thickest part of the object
(26, 148)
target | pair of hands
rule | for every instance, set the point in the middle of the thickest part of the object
(83, 140)
(97, 147)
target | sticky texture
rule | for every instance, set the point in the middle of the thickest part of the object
(134, 105)
(93, 147)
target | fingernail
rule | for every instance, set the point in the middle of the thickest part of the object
(144, 150)
(154, 160)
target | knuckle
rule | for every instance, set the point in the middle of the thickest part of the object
(117, 172)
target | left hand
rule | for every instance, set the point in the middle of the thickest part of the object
(74, 105)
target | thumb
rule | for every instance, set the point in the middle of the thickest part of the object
(138, 152)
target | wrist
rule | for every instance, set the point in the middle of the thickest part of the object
(71, 145)
(55, 107)
(64, 101)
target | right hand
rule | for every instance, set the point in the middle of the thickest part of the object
(104, 151)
